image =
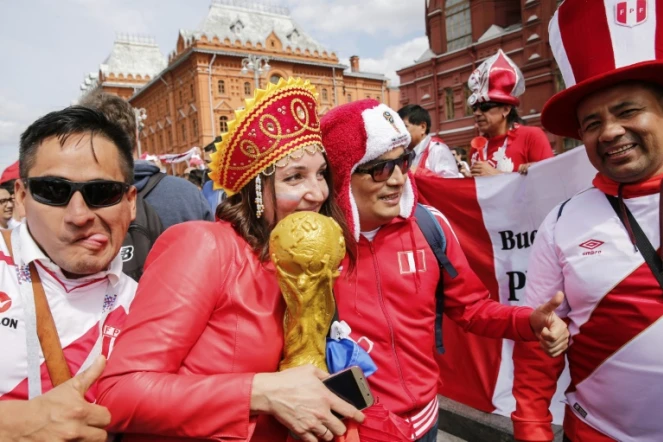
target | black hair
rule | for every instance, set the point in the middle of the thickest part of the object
(513, 118)
(415, 114)
(196, 177)
(70, 121)
(211, 147)
(8, 186)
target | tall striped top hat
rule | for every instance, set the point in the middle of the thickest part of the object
(600, 43)
(275, 123)
(497, 79)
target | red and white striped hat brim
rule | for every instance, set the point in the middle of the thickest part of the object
(597, 44)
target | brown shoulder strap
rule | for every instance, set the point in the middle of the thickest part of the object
(56, 364)
(7, 236)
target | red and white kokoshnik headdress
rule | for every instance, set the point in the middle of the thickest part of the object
(598, 44)
(497, 79)
(277, 123)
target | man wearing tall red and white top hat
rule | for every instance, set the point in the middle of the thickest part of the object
(600, 246)
(505, 145)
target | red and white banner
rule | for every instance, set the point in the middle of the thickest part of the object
(496, 219)
(174, 158)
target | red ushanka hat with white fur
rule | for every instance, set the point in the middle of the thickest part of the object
(598, 44)
(354, 134)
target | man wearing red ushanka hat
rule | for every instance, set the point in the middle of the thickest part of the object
(505, 145)
(389, 297)
(600, 246)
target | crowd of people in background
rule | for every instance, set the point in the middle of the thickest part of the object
(106, 256)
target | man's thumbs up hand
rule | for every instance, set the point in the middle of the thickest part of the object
(553, 333)
(63, 414)
(83, 381)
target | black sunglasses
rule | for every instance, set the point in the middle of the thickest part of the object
(58, 191)
(485, 106)
(383, 170)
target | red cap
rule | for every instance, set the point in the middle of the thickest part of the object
(10, 173)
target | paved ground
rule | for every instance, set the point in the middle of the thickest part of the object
(446, 437)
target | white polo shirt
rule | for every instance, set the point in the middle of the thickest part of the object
(78, 307)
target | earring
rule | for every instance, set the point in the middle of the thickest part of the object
(260, 208)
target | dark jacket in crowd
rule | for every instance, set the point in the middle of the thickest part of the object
(175, 199)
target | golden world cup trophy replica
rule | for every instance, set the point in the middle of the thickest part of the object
(307, 249)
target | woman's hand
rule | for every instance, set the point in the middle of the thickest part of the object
(300, 401)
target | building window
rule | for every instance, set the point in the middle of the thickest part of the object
(223, 124)
(170, 138)
(349, 98)
(222, 86)
(449, 96)
(191, 90)
(458, 23)
(160, 147)
(368, 96)
(180, 94)
(247, 89)
(194, 127)
(325, 97)
(183, 131)
(466, 94)
(274, 79)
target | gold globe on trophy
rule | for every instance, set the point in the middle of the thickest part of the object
(306, 249)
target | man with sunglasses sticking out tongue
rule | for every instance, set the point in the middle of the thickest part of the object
(389, 298)
(63, 296)
(505, 145)
(602, 247)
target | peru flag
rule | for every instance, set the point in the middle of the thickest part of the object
(496, 219)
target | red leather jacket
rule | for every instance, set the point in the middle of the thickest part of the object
(207, 316)
(390, 299)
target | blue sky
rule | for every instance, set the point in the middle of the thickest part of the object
(48, 47)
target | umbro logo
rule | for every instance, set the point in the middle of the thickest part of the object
(591, 245)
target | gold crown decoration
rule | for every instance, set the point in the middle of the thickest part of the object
(278, 121)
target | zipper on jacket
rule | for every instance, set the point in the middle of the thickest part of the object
(389, 324)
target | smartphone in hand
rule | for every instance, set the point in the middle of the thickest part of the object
(351, 386)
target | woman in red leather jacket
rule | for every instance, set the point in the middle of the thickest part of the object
(198, 356)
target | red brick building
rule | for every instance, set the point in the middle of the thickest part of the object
(461, 35)
(190, 96)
